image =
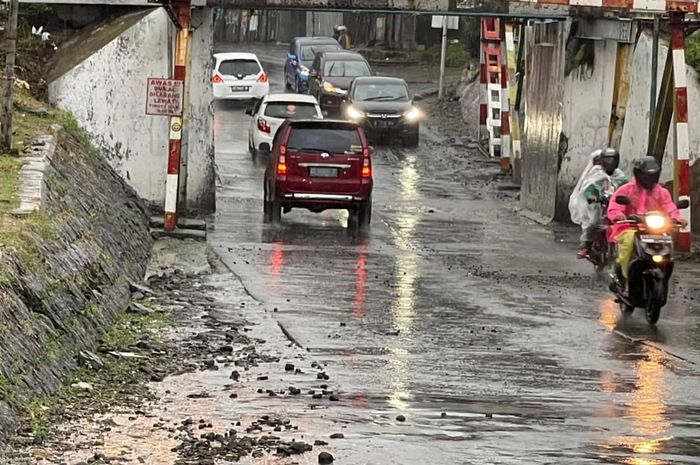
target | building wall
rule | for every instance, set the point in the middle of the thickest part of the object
(106, 92)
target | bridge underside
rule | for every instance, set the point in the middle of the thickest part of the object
(514, 8)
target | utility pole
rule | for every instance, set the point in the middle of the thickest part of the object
(11, 39)
(443, 55)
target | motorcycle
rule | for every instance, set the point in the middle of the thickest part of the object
(602, 252)
(651, 265)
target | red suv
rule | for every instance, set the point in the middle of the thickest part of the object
(319, 165)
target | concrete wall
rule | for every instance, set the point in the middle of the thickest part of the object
(198, 142)
(586, 109)
(634, 136)
(543, 95)
(106, 92)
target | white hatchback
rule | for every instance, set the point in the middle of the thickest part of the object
(270, 112)
(239, 76)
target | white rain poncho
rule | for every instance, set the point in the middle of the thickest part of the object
(581, 211)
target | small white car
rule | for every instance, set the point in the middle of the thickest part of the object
(270, 112)
(239, 76)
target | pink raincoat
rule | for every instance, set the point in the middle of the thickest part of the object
(641, 201)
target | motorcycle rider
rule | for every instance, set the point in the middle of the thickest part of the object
(601, 178)
(341, 34)
(645, 194)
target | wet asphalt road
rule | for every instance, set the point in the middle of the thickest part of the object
(477, 325)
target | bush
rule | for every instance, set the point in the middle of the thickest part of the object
(692, 51)
(456, 55)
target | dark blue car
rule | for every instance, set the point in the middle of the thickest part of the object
(301, 54)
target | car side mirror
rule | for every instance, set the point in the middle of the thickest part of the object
(683, 204)
(265, 148)
(417, 98)
(249, 111)
(622, 200)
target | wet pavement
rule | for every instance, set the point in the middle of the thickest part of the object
(475, 324)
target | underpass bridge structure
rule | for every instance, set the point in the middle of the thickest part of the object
(503, 23)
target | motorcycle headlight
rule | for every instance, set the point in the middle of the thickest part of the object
(355, 114)
(413, 114)
(655, 221)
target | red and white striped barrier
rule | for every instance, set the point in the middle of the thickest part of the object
(682, 6)
(682, 139)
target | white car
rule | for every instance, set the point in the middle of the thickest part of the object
(270, 112)
(239, 76)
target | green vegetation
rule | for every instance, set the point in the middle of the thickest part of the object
(692, 51)
(456, 55)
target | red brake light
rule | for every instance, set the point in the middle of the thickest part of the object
(217, 79)
(262, 78)
(281, 163)
(366, 168)
(263, 126)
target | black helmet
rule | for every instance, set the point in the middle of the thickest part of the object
(647, 172)
(609, 160)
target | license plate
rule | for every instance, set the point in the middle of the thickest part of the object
(317, 172)
(240, 88)
(646, 238)
(383, 124)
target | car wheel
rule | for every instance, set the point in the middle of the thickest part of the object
(276, 212)
(267, 208)
(411, 140)
(364, 215)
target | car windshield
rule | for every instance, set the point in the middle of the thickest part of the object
(291, 110)
(346, 69)
(392, 91)
(323, 139)
(308, 52)
(240, 67)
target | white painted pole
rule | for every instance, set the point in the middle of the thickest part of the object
(443, 55)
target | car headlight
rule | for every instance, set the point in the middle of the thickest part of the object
(414, 114)
(655, 221)
(353, 113)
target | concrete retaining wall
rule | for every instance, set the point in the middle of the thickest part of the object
(63, 296)
(106, 91)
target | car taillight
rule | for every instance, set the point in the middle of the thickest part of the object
(366, 168)
(263, 126)
(262, 78)
(282, 164)
(216, 79)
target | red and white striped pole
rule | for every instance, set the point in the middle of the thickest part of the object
(682, 139)
(483, 87)
(176, 122)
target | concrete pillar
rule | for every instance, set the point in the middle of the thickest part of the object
(198, 143)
